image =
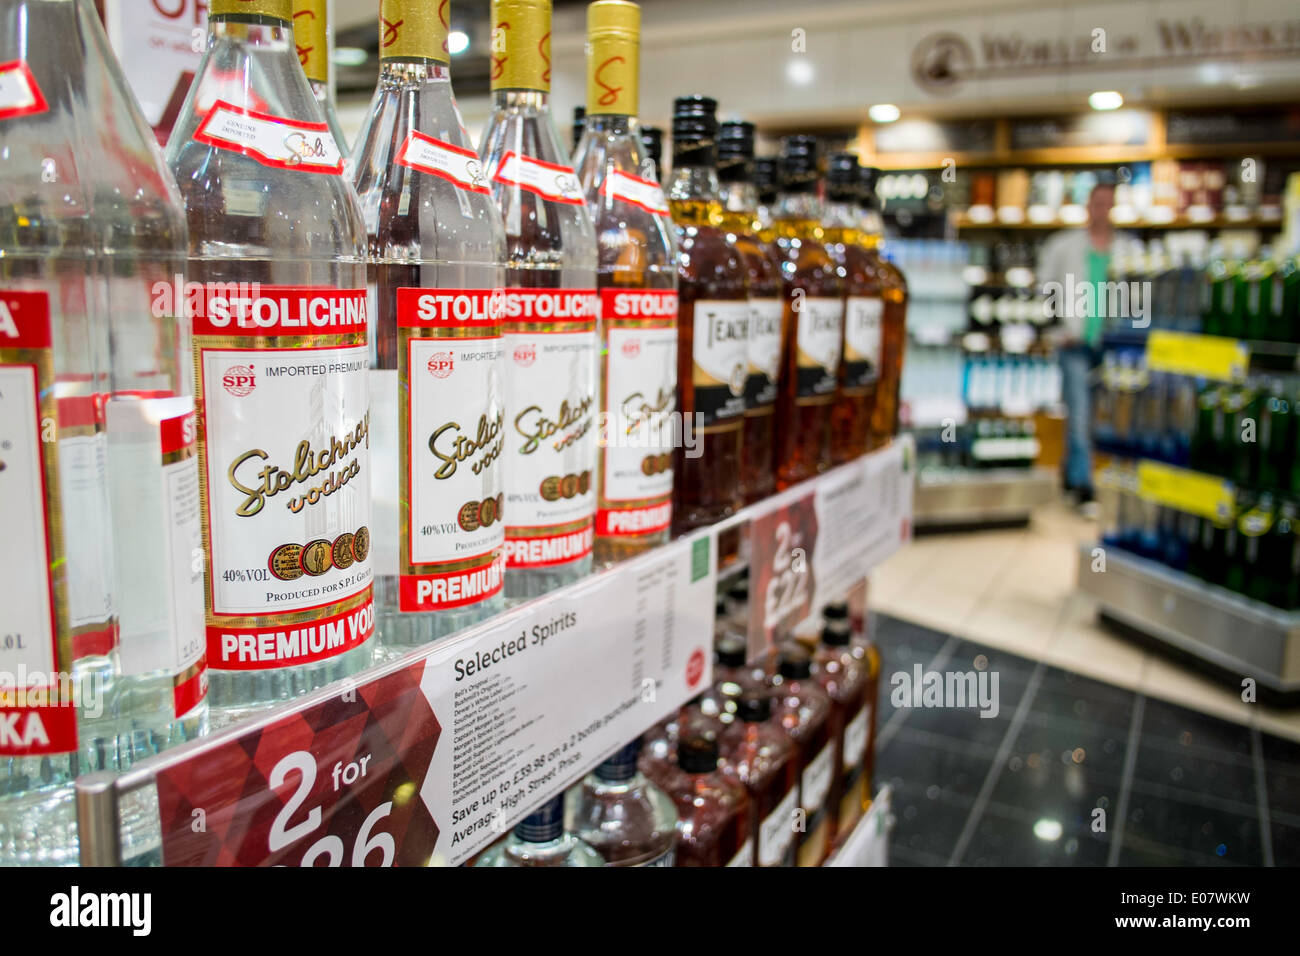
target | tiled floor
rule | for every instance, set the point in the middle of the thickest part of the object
(1100, 752)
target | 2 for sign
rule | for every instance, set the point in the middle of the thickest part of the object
(285, 832)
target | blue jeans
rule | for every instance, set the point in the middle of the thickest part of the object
(1077, 363)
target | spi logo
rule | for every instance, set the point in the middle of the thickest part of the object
(238, 380)
(440, 364)
(632, 348)
(525, 354)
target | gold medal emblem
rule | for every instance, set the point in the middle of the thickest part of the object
(286, 562)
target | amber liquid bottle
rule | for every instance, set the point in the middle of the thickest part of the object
(855, 397)
(893, 291)
(845, 676)
(740, 221)
(813, 320)
(713, 318)
(804, 710)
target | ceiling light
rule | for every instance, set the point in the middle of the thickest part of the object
(884, 112)
(457, 42)
(799, 71)
(1105, 100)
(350, 56)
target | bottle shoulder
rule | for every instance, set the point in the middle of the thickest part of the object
(709, 264)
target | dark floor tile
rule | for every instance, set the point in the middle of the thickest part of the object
(1168, 725)
(1135, 851)
(927, 821)
(969, 655)
(963, 727)
(905, 639)
(1063, 696)
(1282, 778)
(1194, 774)
(1286, 845)
(919, 761)
(900, 856)
(1062, 771)
(1159, 816)
(1047, 835)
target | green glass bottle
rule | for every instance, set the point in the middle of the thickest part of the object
(1260, 311)
(1240, 453)
(1288, 274)
(1252, 574)
(1207, 436)
(1219, 296)
(1276, 433)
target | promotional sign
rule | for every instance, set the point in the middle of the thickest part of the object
(159, 44)
(429, 764)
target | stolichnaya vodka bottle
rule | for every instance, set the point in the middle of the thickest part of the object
(637, 279)
(101, 651)
(277, 294)
(312, 37)
(436, 277)
(551, 343)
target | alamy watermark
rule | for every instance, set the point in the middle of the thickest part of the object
(1074, 299)
(960, 690)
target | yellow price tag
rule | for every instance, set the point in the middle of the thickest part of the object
(1185, 490)
(1206, 356)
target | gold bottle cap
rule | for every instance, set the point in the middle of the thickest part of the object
(311, 37)
(613, 57)
(275, 9)
(414, 30)
(521, 45)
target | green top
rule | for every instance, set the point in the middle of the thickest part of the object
(1098, 273)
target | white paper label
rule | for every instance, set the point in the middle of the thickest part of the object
(644, 193)
(862, 330)
(720, 349)
(548, 180)
(19, 94)
(820, 335)
(776, 833)
(744, 856)
(82, 483)
(456, 164)
(764, 350)
(640, 397)
(272, 140)
(855, 738)
(816, 779)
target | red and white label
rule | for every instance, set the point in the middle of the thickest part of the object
(548, 180)
(271, 140)
(19, 93)
(612, 522)
(286, 464)
(624, 305)
(550, 550)
(644, 193)
(456, 416)
(289, 645)
(458, 165)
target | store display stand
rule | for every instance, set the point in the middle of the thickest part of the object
(1236, 635)
(868, 844)
(951, 497)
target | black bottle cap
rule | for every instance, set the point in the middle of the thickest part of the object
(621, 765)
(842, 180)
(698, 754)
(730, 651)
(695, 131)
(836, 633)
(579, 123)
(795, 663)
(652, 140)
(544, 824)
(735, 151)
(798, 163)
(754, 708)
(868, 176)
(765, 179)
(836, 611)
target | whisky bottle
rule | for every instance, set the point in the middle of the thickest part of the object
(637, 279)
(312, 36)
(813, 320)
(762, 756)
(855, 396)
(436, 276)
(741, 224)
(551, 342)
(712, 807)
(713, 321)
(279, 311)
(893, 290)
(804, 710)
(627, 819)
(101, 659)
(843, 672)
(765, 185)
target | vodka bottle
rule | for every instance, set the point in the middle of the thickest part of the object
(714, 318)
(279, 310)
(551, 341)
(637, 279)
(313, 37)
(101, 658)
(436, 272)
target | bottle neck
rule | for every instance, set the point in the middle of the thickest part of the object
(842, 222)
(405, 71)
(693, 196)
(252, 30)
(613, 125)
(523, 101)
(739, 206)
(798, 214)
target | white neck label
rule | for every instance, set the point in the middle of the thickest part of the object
(456, 164)
(271, 140)
(19, 94)
(548, 180)
(635, 190)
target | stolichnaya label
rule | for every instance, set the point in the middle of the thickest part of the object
(276, 141)
(458, 165)
(819, 340)
(548, 180)
(551, 353)
(644, 193)
(285, 462)
(36, 716)
(450, 362)
(862, 340)
(640, 406)
(764, 353)
(19, 93)
(720, 348)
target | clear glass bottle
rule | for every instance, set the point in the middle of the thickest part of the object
(712, 807)
(540, 840)
(314, 38)
(92, 237)
(843, 672)
(813, 321)
(627, 819)
(436, 274)
(855, 396)
(740, 221)
(713, 320)
(762, 756)
(804, 710)
(551, 340)
(278, 304)
(893, 290)
(637, 279)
